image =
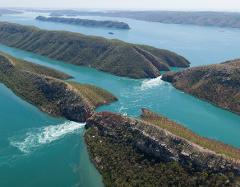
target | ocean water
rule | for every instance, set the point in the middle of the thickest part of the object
(38, 150)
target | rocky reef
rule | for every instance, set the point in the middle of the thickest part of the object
(86, 22)
(218, 83)
(131, 152)
(113, 56)
(44, 88)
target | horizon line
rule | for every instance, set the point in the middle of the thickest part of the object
(121, 9)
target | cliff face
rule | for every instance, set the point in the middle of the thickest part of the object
(113, 56)
(218, 84)
(86, 22)
(49, 94)
(130, 152)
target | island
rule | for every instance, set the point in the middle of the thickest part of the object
(218, 83)
(201, 18)
(154, 151)
(86, 22)
(112, 56)
(48, 89)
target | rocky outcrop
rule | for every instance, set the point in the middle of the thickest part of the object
(218, 84)
(56, 97)
(86, 22)
(113, 56)
(156, 144)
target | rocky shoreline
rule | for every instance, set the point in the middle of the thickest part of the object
(131, 152)
(112, 56)
(218, 83)
(46, 89)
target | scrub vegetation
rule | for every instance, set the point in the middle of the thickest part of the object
(47, 89)
(113, 56)
(131, 152)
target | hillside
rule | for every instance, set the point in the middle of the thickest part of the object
(218, 84)
(86, 22)
(46, 89)
(113, 56)
(131, 152)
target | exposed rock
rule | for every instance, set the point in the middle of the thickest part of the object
(218, 84)
(50, 94)
(113, 56)
(155, 144)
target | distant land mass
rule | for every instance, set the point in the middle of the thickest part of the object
(86, 22)
(217, 19)
(47, 89)
(9, 11)
(113, 56)
(218, 83)
(155, 151)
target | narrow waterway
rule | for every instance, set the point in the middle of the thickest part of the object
(38, 150)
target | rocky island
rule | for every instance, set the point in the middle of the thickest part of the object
(218, 83)
(86, 22)
(113, 56)
(155, 151)
(46, 89)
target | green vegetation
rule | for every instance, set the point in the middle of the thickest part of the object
(114, 56)
(126, 156)
(30, 67)
(122, 165)
(96, 96)
(218, 83)
(43, 87)
(179, 130)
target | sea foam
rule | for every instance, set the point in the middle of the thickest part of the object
(148, 84)
(44, 135)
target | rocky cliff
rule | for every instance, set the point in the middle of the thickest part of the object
(131, 152)
(218, 84)
(113, 56)
(44, 88)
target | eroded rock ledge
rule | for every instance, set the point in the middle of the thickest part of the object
(132, 152)
(113, 56)
(46, 89)
(218, 84)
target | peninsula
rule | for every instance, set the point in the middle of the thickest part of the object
(113, 56)
(218, 83)
(155, 151)
(86, 22)
(47, 89)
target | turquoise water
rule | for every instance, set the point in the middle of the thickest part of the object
(38, 150)
(201, 45)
